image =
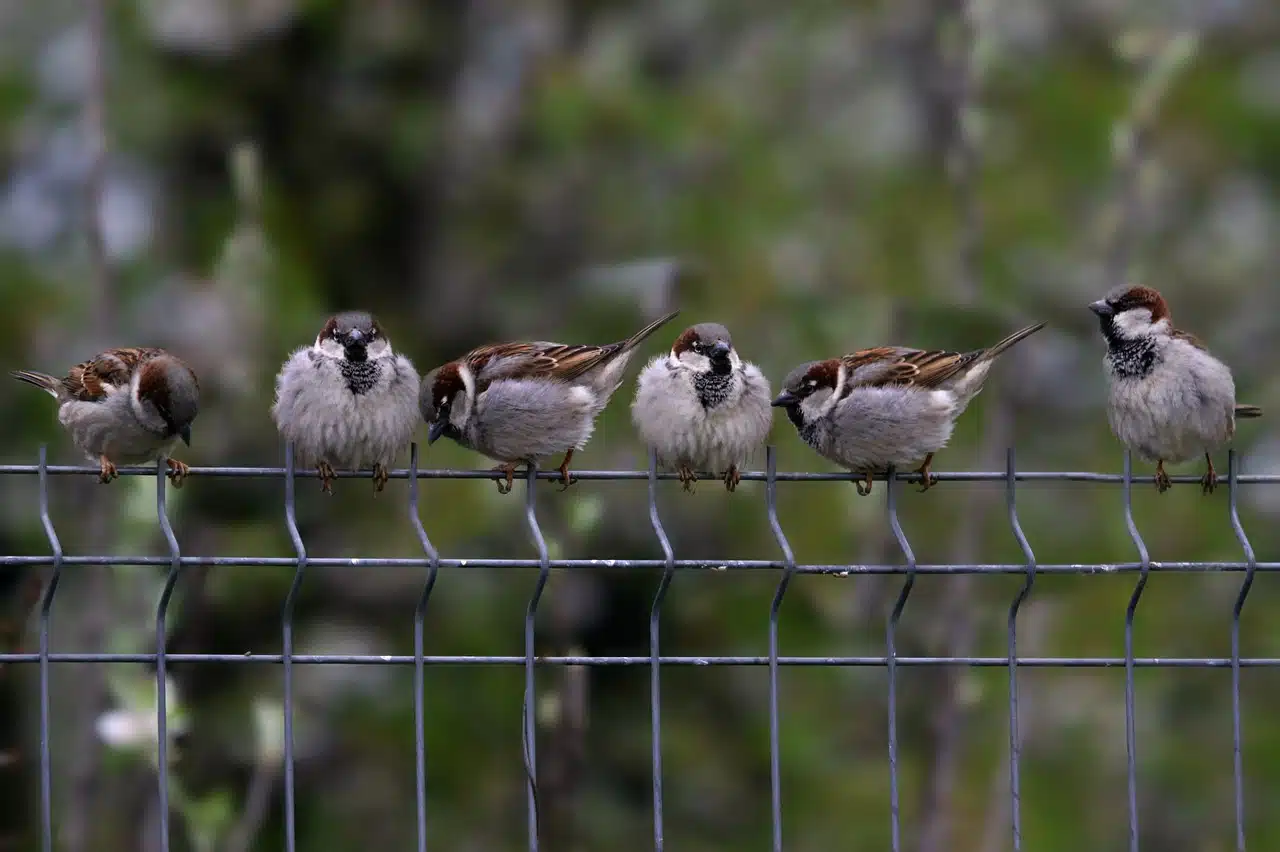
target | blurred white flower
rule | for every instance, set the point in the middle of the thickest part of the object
(131, 726)
(268, 726)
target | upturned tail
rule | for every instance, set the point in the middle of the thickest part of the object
(1244, 412)
(636, 339)
(994, 351)
(46, 383)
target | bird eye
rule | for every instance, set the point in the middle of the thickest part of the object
(813, 383)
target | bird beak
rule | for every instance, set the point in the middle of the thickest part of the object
(786, 398)
(355, 337)
(719, 351)
(1101, 308)
(437, 429)
(185, 434)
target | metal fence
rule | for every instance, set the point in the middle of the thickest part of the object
(432, 562)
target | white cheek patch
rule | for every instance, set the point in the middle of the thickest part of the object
(330, 348)
(379, 348)
(693, 361)
(1136, 322)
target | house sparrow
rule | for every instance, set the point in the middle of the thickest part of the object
(348, 400)
(516, 402)
(888, 406)
(1169, 400)
(129, 405)
(701, 407)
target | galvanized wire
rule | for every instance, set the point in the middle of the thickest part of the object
(669, 567)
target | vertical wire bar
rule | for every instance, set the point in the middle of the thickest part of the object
(419, 675)
(775, 753)
(655, 612)
(1233, 472)
(162, 612)
(46, 605)
(1015, 738)
(891, 643)
(286, 624)
(529, 709)
(1130, 724)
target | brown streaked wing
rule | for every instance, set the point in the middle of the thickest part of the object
(1189, 338)
(88, 381)
(561, 361)
(896, 365)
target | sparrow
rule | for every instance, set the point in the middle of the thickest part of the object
(701, 407)
(1169, 400)
(128, 405)
(348, 400)
(889, 406)
(517, 402)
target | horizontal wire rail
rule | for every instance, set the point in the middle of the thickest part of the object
(670, 567)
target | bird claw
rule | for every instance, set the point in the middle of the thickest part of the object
(380, 477)
(510, 471)
(688, 479)
(864, 485)
(177, 472)
(106, 470)
(566, 479)
(327, 475)
(732, 478)
(1163, 483)
(1209, 481)
(927, 479)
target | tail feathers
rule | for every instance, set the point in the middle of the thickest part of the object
(993, 351)
(636, 339)
(1246, 411)
(46, 383)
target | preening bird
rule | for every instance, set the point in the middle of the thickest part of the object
(701, 407)
(348, 401)
(1168, 400)
(887, 407)
(518, 402)
(129, 405)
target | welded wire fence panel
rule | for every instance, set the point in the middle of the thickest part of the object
(784, 564)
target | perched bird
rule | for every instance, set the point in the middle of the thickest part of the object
(888, 406)
(129, 405)
(348, 401)
(702, 407)
(1169, 400)
(517, 402)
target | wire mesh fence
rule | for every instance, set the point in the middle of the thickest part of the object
(785, 565)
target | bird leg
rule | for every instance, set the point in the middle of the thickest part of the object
(1210, 479)
(510, 470)
(106, 470)
(732, 478)
(565, 479)
(928, 480)
(380, 477)
(864, 485)
(1162, 479)
(687, 478)
(177, 472)
(327, 475)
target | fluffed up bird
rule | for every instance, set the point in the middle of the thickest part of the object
(348, 401)
(129, 405)
(887, 407)
(1169, 400)
(701, 407)
(518, 402)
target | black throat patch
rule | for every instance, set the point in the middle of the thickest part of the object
(712, 388)
(360, 376)
(1131, 358)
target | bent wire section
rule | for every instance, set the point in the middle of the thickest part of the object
(46, 606)
(162, 612)
(419, 665)
(655, 656)
(528, 708)
(891, 663)
(775, 760)
(1015, 738)
(286, 626)
(1130, 728)
(1233, 482)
